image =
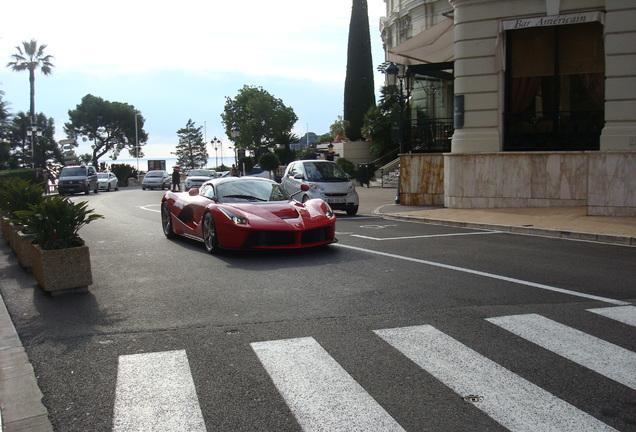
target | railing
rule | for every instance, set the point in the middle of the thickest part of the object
(431, 136)
(390, 172)
(553, 131)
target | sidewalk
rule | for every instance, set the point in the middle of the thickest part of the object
(562, 222)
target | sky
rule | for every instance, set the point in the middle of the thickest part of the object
(180, 60)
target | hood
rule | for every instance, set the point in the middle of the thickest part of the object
(284, 214)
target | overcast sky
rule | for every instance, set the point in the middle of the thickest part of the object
(180, 60)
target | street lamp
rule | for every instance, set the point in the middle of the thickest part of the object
(216, 143)
(235, 133)
(33, 131)
(394, 78)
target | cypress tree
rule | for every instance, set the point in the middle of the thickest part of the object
(359, 93)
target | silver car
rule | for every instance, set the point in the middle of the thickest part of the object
(107, 181)
(156, 179)
(326, 180)
(197, 177)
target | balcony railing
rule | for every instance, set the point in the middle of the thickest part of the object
(431, 136)
(553, 131)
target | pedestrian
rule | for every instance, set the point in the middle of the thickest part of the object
(234, 172)
(45, 181)
(176, 179)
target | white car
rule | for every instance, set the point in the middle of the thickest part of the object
(107, 181)
(156, 179)
(326, 180)
(197, 177)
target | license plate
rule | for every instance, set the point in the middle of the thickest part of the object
(336, 200)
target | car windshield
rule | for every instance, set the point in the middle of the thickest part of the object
(251, 190)
(324, 172)
(73, 172)
(102, 175)
(154, 174)
(200, 173)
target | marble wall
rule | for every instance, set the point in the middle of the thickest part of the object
(422, 179)
(605, 182)
(612, 184)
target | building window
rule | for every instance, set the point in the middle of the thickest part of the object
(554, 88)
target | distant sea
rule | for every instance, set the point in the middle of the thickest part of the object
(170, 162)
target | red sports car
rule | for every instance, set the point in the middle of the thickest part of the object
(246, 213)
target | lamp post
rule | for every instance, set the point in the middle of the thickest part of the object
(216, 143)
(235, 133)
(33, 131)
(137, 143)
(394, 79)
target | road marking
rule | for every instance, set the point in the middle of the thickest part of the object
(149, 209)
(376, 226)
(512, 401)
(605, 358)
(155, 391)
(425, 236)
(624, 314)
(319, 392)
(489, 275)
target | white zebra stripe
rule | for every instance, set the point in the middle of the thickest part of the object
(155, 392)
(319, 392)
(624, 314)
(509, 399)
(610, 360)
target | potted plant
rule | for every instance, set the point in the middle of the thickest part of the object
(60, 258)
(17, 194)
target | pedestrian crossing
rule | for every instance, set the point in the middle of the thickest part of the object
(157, 389)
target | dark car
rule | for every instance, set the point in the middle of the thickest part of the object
(77, 178)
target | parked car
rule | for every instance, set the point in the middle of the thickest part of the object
(326, 180)
(77, 178)
(107, 181)
(156, 179)
(197, 177)
(246, 213)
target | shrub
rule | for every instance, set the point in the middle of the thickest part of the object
(55, 221)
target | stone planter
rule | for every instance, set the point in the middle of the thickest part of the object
(62, 270)
(23, 249)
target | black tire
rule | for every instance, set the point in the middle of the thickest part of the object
(210, 238)
(305, 199)
(116, 187)
(352, 211)
(108, 188)
(166, 220)
(143, 188)
(87, 191)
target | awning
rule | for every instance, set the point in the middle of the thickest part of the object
(433, 45)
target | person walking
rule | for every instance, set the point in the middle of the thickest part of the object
(176, 179)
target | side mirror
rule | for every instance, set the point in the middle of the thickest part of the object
(298, 177)
(193, 192)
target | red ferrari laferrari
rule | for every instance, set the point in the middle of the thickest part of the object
(246, 213)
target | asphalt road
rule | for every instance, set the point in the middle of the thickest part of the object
(398, 326)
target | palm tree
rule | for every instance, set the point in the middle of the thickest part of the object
(30, 57)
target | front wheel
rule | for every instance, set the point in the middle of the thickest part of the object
(166, 221)
(210, 238)
(352, 211)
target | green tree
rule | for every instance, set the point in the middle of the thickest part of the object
(269, 162)
(260, 117)
(359, 93)
(31, 57)
(381, 122)
(110, 125)
(191, 151)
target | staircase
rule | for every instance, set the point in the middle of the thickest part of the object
(389, 175)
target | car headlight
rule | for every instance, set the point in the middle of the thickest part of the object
(328, 211)
(316, 187)
(234, 218)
